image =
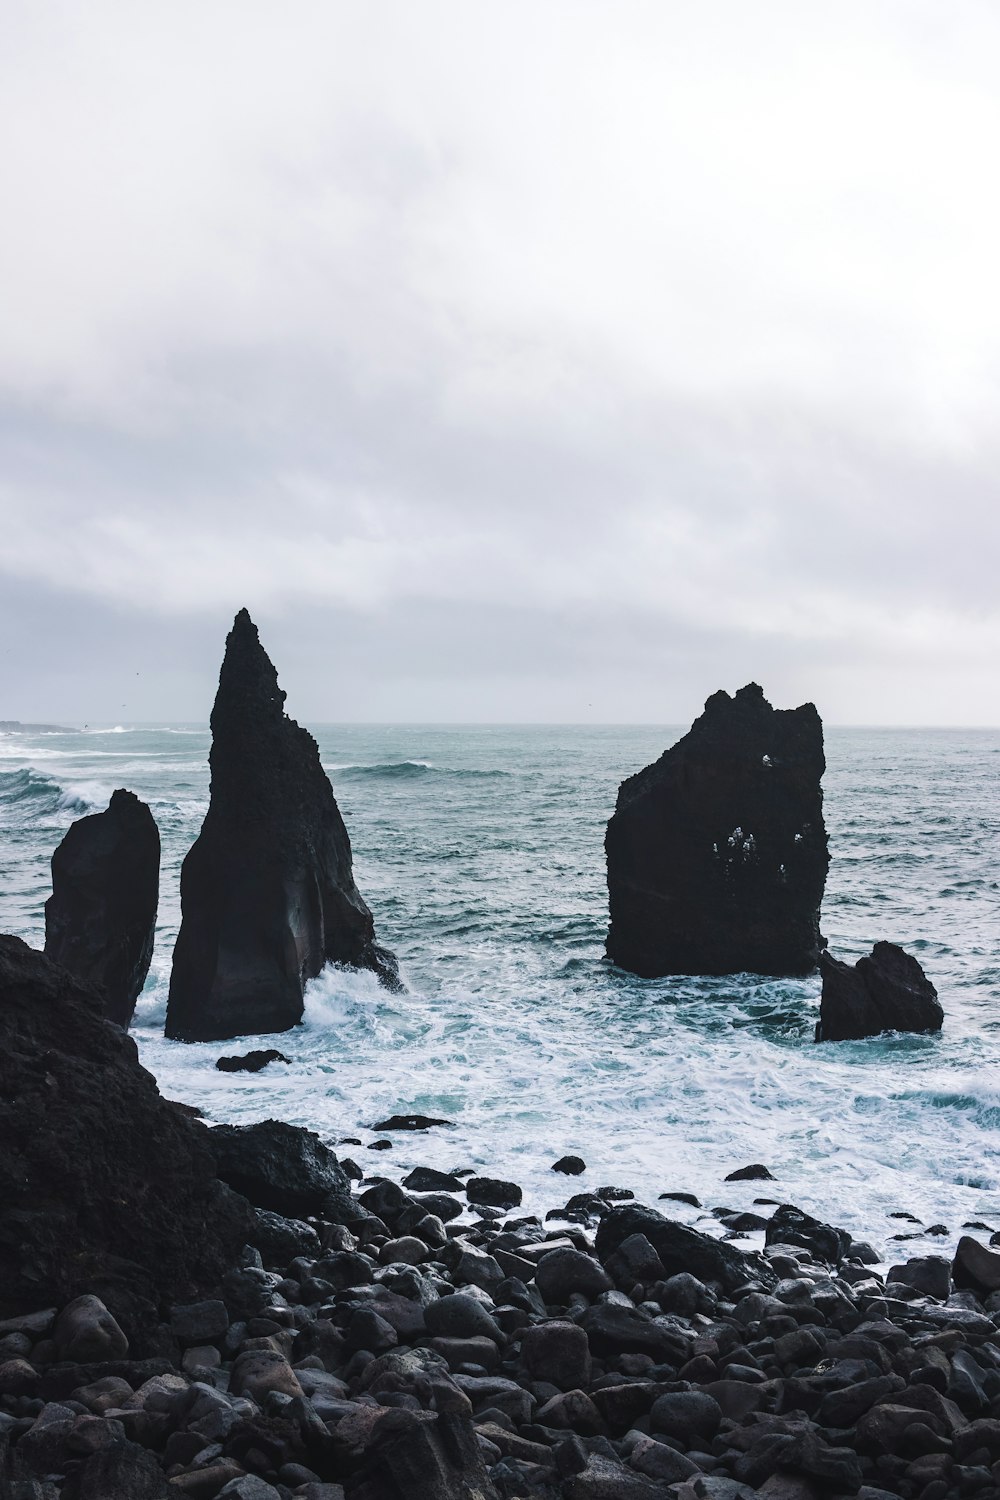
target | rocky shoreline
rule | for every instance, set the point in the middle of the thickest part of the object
(424, 1341)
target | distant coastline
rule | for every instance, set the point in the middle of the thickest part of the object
(14, 726)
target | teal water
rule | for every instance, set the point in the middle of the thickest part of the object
(480, 851)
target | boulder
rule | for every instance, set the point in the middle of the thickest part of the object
(975, 1268)
(717, 853)
(105, 1187)
(251, 1062)
(284, 1168)
(789, 1225)
(887, 991)
(267, 891)
(680, 1248)
(101, 916)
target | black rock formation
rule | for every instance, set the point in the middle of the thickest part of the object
(789, 1225)
(251, 1062)
(285, 1169)
(888, 991)
(101, 916)
(104, 1185)
(410, 1122)
(680, 1248)
(717, 853)
(267, 893)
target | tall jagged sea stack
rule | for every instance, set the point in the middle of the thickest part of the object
(267, 890)
(717, 853)
(101, 917)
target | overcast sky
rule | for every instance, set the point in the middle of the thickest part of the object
(509, 360)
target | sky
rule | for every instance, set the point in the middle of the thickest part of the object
(546, 360)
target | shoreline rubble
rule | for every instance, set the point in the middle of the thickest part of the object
(391, 1350)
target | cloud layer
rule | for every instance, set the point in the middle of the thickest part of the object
(561, 361)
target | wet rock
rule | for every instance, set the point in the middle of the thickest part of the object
(717, 853)
(251, 1062)
(493, 1191)
(755, 1172)
(410, 1122)
(427, 1180)
(279, 1238)
(930, 1274)
(681, 1249)
(283, 1168)
(560, 1273)
(635, 1260)
(976, 1268)
(101, 916)
(571, 1166)
(789, 1225)
(93, 1159)
(887, 991)
(267, 891)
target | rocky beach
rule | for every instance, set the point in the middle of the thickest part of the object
(259, 1310)
(240, 1312)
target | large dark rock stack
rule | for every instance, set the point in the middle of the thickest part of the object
(101, 916)
(717, 853)
(267, 893)
(887, 991)
(103, 1183)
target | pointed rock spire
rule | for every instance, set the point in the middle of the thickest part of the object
(267, 890)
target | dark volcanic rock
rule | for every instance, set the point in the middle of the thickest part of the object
(285, 1169)
(888, 991)
(103, 1183)
(267, 893)
(101, 916)
(410, 1122)
(251, 1062)
(789, 1225)
(680, 1248)
(755, 1172)
(717, 853)
(571, 1166)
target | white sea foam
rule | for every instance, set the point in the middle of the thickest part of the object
(513, 1026)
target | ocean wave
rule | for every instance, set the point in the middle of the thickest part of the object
(404, 769)
(33, 796)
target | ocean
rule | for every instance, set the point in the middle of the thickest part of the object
(480, 851)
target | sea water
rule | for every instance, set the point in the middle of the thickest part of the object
(480, 851)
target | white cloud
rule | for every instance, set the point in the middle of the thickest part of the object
(682, 315)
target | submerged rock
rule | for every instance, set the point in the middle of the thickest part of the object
(104, 1185)
(717, 853)
(887, 991)
(267, 893)
(101, 916)
(251, 1062)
